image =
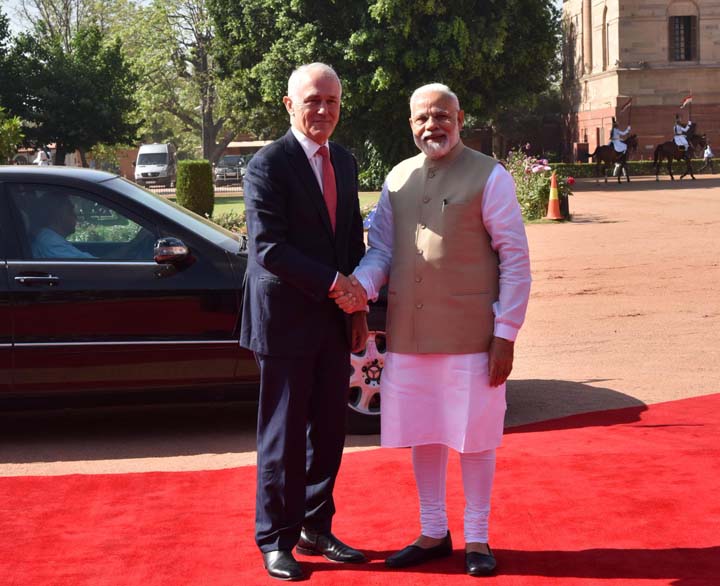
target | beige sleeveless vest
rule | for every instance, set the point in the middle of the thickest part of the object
(444, 274)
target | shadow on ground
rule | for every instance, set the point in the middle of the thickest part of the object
(550, 401)
(226, 427)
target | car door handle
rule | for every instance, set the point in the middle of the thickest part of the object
(30, 280)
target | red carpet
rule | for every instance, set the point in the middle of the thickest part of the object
(609, 498)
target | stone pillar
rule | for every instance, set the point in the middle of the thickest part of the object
(587, 36)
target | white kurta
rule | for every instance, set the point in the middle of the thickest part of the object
(446, 398)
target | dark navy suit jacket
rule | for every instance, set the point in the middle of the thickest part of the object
(293, 255)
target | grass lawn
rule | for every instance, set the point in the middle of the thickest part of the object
(236, 203)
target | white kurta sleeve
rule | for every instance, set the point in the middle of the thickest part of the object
(503, 221)
(374, 268)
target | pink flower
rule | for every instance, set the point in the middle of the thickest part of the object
(570, 181)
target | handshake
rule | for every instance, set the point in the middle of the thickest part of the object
(349, 294)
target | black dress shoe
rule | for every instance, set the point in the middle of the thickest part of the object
(480, 564)
(329, 546)
(282, 565)
(414, 555)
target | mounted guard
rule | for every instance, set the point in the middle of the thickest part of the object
(680, 133)
(616, 136)
(620, 146)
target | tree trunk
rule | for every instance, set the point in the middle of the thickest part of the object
(83, 158)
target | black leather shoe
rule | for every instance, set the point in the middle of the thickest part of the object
(282, 565)
(480, 564)
(414, 555)
(329, 546)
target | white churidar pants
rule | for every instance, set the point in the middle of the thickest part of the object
(478, 472)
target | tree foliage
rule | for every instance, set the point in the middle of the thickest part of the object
(76, 97)
(168, 43)
(492, 53)
(11, 136)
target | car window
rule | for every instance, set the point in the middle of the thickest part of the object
(175, 212)
(152, 159)
(231, 161)
(60, 222)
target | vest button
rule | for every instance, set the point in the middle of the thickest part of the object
(419, 251)
(419, 305)
(418, 279)
(426, 199)
(423, 226)
(431, 174)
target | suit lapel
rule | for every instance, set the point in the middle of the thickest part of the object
(300, 163)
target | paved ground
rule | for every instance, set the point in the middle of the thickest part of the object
(625, 311)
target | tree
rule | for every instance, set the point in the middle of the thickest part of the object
(76, 98)
(259, 42)
(11, 136)
(492, 53)
(169, 43)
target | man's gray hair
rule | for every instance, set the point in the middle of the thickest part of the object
(437, 88)
(297, 75)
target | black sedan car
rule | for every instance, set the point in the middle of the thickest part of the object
(107, 288)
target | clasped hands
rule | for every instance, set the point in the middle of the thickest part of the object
(351, 297)
(349, 294)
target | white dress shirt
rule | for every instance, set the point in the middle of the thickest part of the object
(310, 147)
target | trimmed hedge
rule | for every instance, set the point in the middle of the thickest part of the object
(194, 187)
(635, 168)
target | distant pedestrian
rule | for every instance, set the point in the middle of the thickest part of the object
(42, 159)
(707, 160)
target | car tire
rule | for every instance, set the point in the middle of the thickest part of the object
(363, 413)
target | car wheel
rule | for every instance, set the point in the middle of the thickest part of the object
(366, 371)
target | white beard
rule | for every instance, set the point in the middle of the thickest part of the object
(434, 148)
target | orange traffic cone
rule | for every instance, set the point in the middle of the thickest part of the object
(553, 212)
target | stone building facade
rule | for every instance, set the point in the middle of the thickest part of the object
(655, 52)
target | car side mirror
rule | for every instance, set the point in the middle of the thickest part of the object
(170, 251)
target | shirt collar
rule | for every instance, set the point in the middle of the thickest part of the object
(309, 146)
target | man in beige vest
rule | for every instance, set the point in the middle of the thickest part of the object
(449, 240)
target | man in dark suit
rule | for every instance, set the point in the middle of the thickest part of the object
(305, 234)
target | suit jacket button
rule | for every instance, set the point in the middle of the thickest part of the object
(419, 305)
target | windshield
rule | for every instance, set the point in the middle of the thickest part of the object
(231, 161)
(152, 159)
(199, 225)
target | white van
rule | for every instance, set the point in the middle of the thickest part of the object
(155, 164)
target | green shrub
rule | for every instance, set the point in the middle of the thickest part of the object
(532, 183)
(233, 221)
(194, 187)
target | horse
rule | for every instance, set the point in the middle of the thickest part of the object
(606, 155)
(669, 151)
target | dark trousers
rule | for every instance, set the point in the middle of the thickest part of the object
(708, 162)
(300, 438)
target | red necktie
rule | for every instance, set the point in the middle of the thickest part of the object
(329, 187)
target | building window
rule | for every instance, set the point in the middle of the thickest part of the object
(683, 38)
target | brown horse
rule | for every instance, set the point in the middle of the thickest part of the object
(669, 151)
(607, 155)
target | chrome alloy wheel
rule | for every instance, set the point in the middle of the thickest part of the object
(365, 374)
